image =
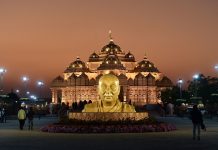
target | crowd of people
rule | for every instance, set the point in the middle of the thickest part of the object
(27, 115)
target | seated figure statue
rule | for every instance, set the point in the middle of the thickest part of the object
(108, 90)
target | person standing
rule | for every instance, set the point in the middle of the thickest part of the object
(30, 116)
(197, 120)
(21, 117)
(4, 111)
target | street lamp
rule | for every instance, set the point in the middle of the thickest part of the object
(216, 67)
(17, 91)
(180, 82)
(195, 77)
(25, 80)
(40, 84)
(33, 97)
(2, 72)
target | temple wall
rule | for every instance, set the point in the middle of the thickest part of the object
(138, 95)
(141, 95)
(75, 94)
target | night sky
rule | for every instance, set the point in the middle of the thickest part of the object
(40, 38)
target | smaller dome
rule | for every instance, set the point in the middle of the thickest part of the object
(111, 62)
(94, 57)
(145, 66)
(77, 66)
(129, 57)
(112, 59)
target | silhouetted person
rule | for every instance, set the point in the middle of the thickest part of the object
(21, 117)
(62, 111)
(197, 120)
(30, 116)
(4, 113)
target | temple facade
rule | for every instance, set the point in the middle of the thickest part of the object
(141, 82)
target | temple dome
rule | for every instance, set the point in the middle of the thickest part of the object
(111, 62)
(94, 57)
(111, 47)
(145, 66)
(77, 66)
(129, 57)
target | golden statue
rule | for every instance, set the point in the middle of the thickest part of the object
(108, 90)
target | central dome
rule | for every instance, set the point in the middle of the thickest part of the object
(111, 47)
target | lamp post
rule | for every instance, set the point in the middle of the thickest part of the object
(40, 84)
(25, 80)
(195, 77)
(180, 82)
(2, 72)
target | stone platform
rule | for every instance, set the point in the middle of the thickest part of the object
(113, 116)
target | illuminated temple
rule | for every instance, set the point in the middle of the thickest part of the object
(141, 82)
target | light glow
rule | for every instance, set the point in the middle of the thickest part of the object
(2, 70)
(180, 81)
(196, 76)
(25, 78)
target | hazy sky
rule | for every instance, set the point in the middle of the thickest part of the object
(40, 38)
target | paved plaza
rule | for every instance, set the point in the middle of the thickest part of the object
(11, 138)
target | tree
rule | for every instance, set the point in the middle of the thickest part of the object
(170, 95)
(12, 102)
(204, 87)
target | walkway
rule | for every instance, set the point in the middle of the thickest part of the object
(11, 138)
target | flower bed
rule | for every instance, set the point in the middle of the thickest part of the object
(109, 127)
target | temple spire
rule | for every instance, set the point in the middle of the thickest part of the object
(110, 35)
(145, 56)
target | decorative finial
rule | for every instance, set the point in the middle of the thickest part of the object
(77, 58)
(110, 35)
(145, 57)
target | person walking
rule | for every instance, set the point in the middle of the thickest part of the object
(197, 120)
(21, 117)
(30, 116)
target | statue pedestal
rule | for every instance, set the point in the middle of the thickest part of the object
(110, 116)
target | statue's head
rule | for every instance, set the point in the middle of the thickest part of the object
(109, 88)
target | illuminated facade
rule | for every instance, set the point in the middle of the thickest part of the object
(141, 82)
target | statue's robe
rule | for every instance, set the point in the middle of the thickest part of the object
(118, 107)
